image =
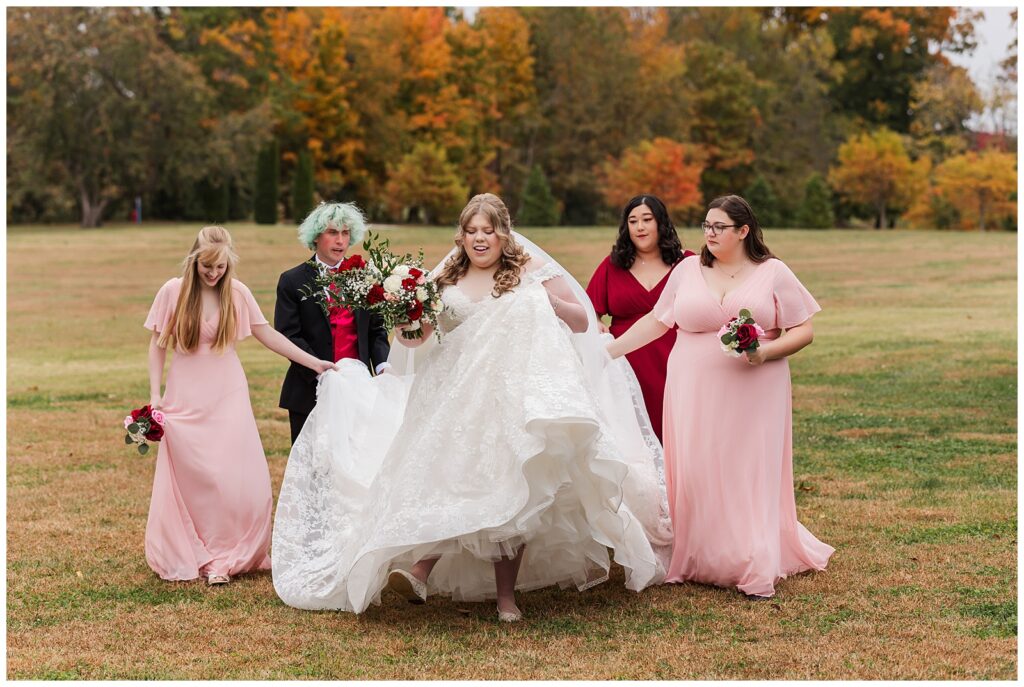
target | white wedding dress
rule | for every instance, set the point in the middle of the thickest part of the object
(512, 430)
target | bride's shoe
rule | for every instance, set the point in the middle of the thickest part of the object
(510, 616)
(406, 584)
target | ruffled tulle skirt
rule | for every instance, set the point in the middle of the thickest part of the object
(496, 443)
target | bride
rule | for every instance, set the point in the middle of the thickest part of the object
(510, 456)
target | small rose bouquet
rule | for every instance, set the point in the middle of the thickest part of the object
(143, 424)
(394, 287)
(740, 335)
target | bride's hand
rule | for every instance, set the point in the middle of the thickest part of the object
(603, 328)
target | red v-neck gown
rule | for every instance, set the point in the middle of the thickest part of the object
(616, 292)
(728, 436)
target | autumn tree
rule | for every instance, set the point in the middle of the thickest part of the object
(492, 67)
(665, 168)
(884, 52)
(591, 105)
(942, 102)
(982, 186)
(425, 186)
(725, 116)
(99, 103)
(786, 81)
(874, 169)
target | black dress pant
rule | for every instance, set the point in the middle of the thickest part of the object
(296, 420)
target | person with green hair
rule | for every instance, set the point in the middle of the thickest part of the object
(328, 231)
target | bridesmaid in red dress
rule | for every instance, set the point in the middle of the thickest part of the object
(628, 283)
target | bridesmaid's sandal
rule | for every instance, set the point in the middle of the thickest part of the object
(408, 587)
(213, 580)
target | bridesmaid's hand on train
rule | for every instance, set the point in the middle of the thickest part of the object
(322, 366)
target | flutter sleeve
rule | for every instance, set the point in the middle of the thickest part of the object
(794, 304)
(597, 288)
(665, 309)
(247, 310)
(162, 310)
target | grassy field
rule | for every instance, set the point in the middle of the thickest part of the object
(905, 461)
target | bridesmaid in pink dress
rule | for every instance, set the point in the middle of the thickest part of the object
(728, 421)
(627, 284)
(210, 511)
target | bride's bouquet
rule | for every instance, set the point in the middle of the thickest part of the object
(740, 335)
(394, 287)
(143, 424)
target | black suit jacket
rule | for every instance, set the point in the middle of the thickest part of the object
(304, 322)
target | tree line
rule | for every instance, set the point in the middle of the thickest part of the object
(821, 116)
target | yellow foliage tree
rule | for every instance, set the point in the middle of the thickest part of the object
(665, 168)
(875, 169)
(983, 187)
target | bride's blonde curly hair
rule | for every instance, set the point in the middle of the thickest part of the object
(513, 258)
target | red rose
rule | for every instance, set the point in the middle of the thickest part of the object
(746, 335)
(415, 311)
(155, 433)
(409, 283)
(415, 273)
(375, 295)
(141, 412)
(354, 262)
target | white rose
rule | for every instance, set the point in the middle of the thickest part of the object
(393, 284)
(437, 305)
(421, 294)
(402, 270)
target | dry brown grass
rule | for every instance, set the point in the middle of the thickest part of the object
(905, 463)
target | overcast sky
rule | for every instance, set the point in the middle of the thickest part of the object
(994, 34)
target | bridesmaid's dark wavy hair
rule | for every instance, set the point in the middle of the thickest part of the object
(624, 252)
(740, 213)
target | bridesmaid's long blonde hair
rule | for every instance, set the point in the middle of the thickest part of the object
(513, 257)
(213, 245)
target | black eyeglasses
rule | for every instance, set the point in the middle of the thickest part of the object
(716, 229)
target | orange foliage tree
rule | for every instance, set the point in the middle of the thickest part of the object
(982, 187)
(662, 167)
(874, 169)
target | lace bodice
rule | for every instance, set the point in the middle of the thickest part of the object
(458, 306)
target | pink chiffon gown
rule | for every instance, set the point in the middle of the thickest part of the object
(728, 436)
(211, 505)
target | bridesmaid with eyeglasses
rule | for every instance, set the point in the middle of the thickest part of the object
(628, 283)
(728, 420)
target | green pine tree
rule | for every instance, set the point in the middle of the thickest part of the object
(815, 212)
(302, 187)
(268, 177)
(538, 207)
(764, 202)
(216, 198)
